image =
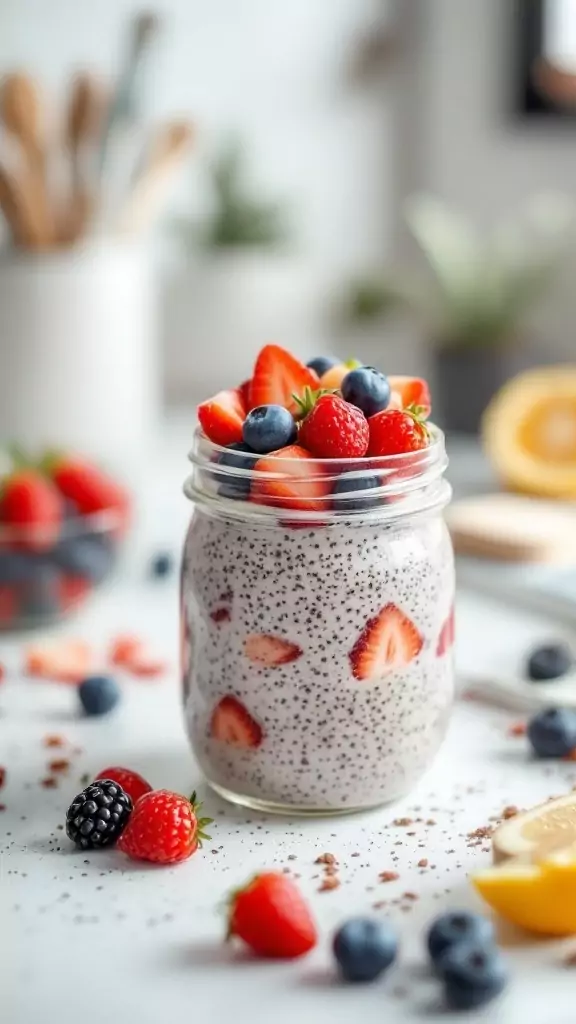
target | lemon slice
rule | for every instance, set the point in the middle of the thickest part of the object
(529, 432)
(539, 897)
(537, 833)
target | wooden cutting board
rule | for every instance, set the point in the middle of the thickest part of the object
(513, 528)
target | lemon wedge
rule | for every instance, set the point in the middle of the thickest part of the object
(538, 832)
(539, 897)
(529, 432)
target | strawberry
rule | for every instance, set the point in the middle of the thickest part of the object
(413, 391)
(271, 916)
(8, 606)
(333, 429)
(245, 392)
(270, 650)
(146, 666)
(73, 590)
(394, 432)
(277, 377)
(67, 661)
(232, 723)
(221, 417)
(124, 648)
(31, 506)
(446, 638)
(332, 379)
(164, 828)
(388, 642)
(297, 484)
(132, 783)
(90, 488)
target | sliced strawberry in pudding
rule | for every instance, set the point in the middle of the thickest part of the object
(388, 642)
(264, 649)
(232, 723)
(412, 391)
(294, 479)
(446, 638)
(222, 417)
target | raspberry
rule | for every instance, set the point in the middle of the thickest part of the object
(164, 828)
(333, 429)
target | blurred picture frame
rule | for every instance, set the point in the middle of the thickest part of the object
(545, 32)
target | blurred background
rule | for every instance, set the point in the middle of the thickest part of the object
(391, 180)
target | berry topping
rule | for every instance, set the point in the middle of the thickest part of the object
(388, 642)
(221, 417)
(269, 427)
(321, 364)
(412, 391)
(473, 976)
(455, 928)
(333, 429)
(230, 485)
(446, 638)
(298, 481)
(394, 432)
(270, 650)
(67, 661)
(271, 916)
(552, 733)
(549, 662)
(33, 507)
(277, 377)
(164, 828)
(99, 694)
(90, 488)
(332, 378)
(98, 815)
(364, 948)
(352, 492)
(131, 782)
(232, 723)
(366, 388)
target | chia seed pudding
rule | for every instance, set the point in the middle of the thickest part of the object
(317, 646)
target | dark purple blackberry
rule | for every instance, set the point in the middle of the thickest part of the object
(98, 815)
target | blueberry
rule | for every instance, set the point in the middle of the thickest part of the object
(549, 662)
(237, 487)
(99, 694)
(17, 567)
(364, 948)
(552, 733)
(455, 928)
(352, 483)
(473, 974)
(320, 364)
(162, 565)
(268, 427)
(41, 594)
(366, 388)
(90, 556)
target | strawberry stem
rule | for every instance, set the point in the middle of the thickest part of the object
(308, 399)
(201, 823)
(417, 413)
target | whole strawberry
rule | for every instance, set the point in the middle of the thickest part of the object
(271, 916)
(396, 431)
(332, 428)
(131, 782)
(32, 507)
(90, 488)
(164, 828)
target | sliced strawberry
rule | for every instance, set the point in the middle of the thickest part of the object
(146, 666)
(446, 638)
(245, 391)
(232, 723)
(67, 661)
(278, 375)
(388, 642)
(124, 648)
(221, 417)
(89, 487)
(265, 649)
(413, 391)
(298, 483)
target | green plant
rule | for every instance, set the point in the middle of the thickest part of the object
(479, 288)
(240, 218)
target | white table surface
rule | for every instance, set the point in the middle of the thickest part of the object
(93, 937)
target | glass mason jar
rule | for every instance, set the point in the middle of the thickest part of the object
(317, 626)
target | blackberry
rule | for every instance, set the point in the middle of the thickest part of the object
(98, 815)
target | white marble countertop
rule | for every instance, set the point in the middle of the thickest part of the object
(90, 937)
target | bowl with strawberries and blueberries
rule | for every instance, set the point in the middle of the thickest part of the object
(62, 521)
(334, 421)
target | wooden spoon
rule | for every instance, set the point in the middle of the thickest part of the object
(165, 154)
(84, 120)
(21, 111)
(17, 213)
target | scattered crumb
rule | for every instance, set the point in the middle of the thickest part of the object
(291, 856)
(510, 812)
(326, 858)
(570, 959)
(410, 896)
(388, 876)
(49, 783)
(52, 740)
(423, 863)
(2, 777)
(403, 822)
(61, 764)
(329, 883)
(517, 729)
(430, 821)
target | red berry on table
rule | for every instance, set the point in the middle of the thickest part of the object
(222, 417)
(89, 487)
(388, 642)
(124, 648)
(164, 828)
(413, 391)
(395, 431)
(277, 377)
(271, 916)
(297, 482)
(131, 782)
(32, 508)
(334, 429)
(66, 661)
(232, 723)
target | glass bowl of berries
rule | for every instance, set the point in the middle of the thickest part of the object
(62, 523)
